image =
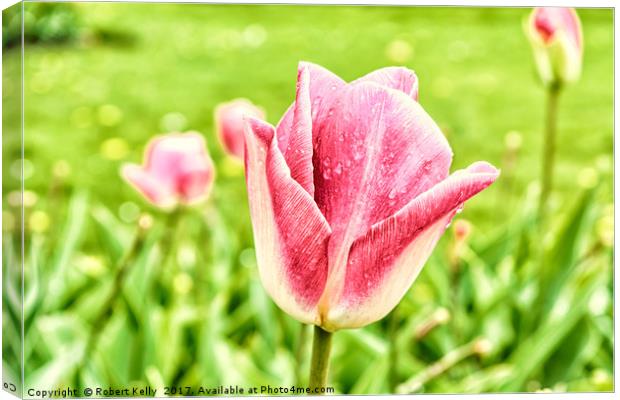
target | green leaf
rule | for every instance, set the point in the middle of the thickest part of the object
(559, 261)
(113, 234)
(70, 238)
(534, 351)
(264, 313)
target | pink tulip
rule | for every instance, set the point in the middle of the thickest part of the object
(230, 126)
(177, 169)
(349, 195)
(556, 37)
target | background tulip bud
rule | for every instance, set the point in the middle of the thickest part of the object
(177, 169)
(230, 126)
(462, 229)
(557, 40)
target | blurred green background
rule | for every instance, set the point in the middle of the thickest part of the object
(525, 308)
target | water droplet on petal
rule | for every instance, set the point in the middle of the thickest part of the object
(338, 169)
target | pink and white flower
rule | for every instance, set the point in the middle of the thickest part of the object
(557, 40)
(177, 170)
(229, 124)
(349, 195)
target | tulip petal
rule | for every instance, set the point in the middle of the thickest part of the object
(378, 151)
(230, 125)
(399, 78)
(154, 190)
(165, 155)
(549, 21)
(290, 232)
(298, 152)
(384, 262)
(316, 89)
(195, 181)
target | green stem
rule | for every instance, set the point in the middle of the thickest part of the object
(549, 148)
(163, 273)
(121, 272)
(319, 366)
(478, 346)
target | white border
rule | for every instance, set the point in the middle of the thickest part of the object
(479, 3)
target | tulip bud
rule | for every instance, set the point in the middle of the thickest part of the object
(145, 222)
(440, 317)
(557, 41)
(177, 169)
(462, 229)
(230, 126)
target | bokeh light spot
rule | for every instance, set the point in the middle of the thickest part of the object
(254, 35)
(109, 115)
(599, 301)
(90, 265)
(128, 212)
(173, 122)
(16, 169)
(114, 148)
(186, 257)
(183, 283)
(39, 221)
(588, 178)
(247, 258)
(399, 51)
(61, 169)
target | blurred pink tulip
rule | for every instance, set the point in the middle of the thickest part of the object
(349, 195)
(229, 123)
(557, 40)
(177, 169)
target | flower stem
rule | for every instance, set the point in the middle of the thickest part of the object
(98, 325)
(549, 148)
(478, 346)
(163, 273)
(319, 366)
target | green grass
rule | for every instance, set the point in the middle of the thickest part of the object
(547, 310)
